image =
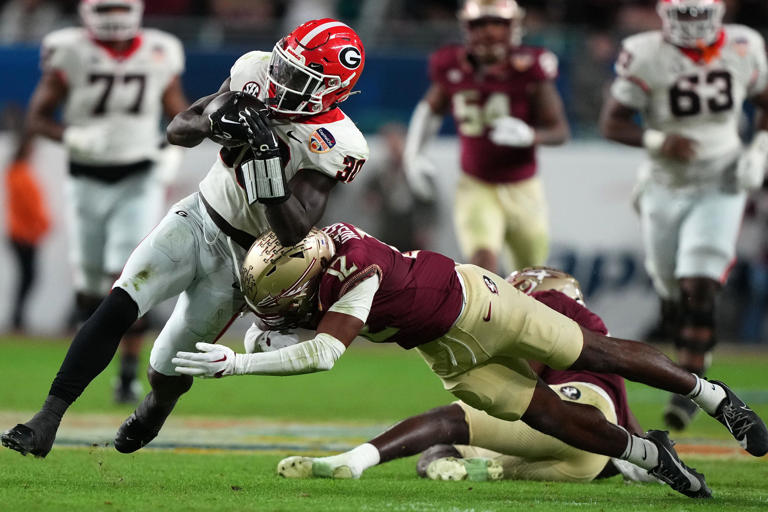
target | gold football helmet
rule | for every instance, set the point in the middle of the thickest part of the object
(474, 10)
(280, 283)
(539, 279)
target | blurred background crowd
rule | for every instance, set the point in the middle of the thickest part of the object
(399, 35)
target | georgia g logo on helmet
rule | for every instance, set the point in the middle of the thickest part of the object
(350, 57)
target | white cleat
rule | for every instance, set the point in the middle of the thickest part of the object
(307, 467)
(475, 469)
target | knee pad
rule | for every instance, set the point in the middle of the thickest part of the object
(697, 302)
(697, 309)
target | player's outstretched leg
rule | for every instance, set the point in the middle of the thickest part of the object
(143, 425)
(586, 428)
(90, 352)
(413, 435)
(640, 362)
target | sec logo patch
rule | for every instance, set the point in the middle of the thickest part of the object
(252, 88)
(321, 141)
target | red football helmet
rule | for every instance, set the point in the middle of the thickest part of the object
(691, 23)
(112, 20)
(314, 67)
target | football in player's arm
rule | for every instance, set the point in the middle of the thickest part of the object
(113, 81)
(688, 82)
(476, 332)
(504, 102)
(284, 145)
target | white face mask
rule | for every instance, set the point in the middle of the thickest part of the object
(693, 23)
(106, 24)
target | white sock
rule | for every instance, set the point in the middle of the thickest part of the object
(707, 395)
(358, 459)
(641, 452)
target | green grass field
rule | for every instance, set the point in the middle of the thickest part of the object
(371, 387)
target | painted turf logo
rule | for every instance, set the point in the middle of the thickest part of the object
(350, 57)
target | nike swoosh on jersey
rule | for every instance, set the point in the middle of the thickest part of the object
(487, 317)
(290, 134)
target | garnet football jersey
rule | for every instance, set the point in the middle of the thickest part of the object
(419, 295)
(328, 143)
(121, 92)
(699, 100)
(478, 98)
(611, 383)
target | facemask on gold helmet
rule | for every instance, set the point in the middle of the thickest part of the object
(539, 279)
(280, 283)
(477, 12)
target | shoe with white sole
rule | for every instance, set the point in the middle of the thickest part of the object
(307, 467)
(476, 469)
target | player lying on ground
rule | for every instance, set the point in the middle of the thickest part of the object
(688, 82)
(476, 332)
(461, 442)
(195, 252)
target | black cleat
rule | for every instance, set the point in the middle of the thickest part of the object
(672, 471)
(679, 412)
(133, 434)
(742, 422)
(25, 440)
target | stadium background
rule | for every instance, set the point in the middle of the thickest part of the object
(595, 234)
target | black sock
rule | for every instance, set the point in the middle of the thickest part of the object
(94, 345)
(128, 365)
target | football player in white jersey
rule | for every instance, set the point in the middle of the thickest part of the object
(113, 82)
(688, 82)
(276, 171)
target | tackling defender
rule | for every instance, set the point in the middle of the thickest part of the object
(114, 81)
(277, 169)
(475, 330)
(688, 83)
(504, 102)
(460, 442)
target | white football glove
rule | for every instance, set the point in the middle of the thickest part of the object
(750, 169)
(511, 131)
(420, 173)
(211, 361)
(86, 140)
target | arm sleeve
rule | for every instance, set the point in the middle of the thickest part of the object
(317, 354)
(357, 301)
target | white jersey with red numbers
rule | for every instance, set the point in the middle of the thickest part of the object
(700, 100)
(120, 91)
(328, 143)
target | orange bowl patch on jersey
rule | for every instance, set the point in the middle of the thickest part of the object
(321, 141)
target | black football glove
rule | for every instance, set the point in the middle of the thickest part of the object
(226, 128)
(264, 176)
